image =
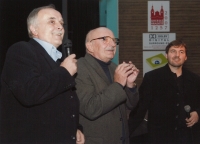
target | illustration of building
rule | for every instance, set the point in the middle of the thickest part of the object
(157, 18)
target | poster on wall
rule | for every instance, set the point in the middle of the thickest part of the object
(158, 16)
(153, 60)
(157, 41)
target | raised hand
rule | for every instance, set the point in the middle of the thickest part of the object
(122, 72)
(133, 75)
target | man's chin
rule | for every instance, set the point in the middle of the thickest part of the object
(110, 58)
(58, 43)
(176, 65)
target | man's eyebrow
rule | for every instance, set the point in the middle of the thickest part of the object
(52, 18)
(61, 20)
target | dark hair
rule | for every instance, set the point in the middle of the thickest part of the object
(176, 43)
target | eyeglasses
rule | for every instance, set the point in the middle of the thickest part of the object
(108, 39)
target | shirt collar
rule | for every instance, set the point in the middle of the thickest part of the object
(50, 49)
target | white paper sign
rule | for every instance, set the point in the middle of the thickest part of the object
(158, 16)
(157, 41)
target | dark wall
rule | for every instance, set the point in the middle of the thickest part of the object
(83, 15)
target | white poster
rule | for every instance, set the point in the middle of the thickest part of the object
(158, 16)
(153, 60)
(157, 41)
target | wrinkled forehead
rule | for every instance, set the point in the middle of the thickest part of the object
(100, 32)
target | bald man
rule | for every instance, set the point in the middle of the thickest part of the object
(105, 90)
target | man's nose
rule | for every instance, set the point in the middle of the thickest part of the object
(177, 53)
(112, 43)
(60, 26)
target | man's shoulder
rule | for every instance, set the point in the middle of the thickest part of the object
(157, 71)
(190, 74)
(19, 46)
(86, 59)
(20, 43)
(81, 60)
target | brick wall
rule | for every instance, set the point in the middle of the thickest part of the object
(184, 21)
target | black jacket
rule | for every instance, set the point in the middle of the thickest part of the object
(37, 103)
(159, 95)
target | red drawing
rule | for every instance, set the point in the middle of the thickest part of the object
(157, 18)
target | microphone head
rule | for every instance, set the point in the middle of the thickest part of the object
(67, 43)
(187, 108)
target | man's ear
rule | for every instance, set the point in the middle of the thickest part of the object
(89, 47)
(33, 30)
(185, 58)
(166, 56)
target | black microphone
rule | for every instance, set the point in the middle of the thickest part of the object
(66, 49)
(187, 110)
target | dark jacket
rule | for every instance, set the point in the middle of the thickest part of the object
(159, 95)
(37, 104)
(103, 104)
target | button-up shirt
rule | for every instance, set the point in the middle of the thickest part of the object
(50, 49)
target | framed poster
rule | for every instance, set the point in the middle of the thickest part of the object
(158, 16)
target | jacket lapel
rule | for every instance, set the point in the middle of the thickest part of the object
(97, 68)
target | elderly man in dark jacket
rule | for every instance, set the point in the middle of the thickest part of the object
(164, 93)
(37, 102)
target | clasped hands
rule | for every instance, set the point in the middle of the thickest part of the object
(126, 74)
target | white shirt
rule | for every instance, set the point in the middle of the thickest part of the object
(50, 49)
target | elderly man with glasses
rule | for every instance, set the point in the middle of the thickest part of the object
(105, 90)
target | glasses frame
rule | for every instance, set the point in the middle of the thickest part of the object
(115, 40)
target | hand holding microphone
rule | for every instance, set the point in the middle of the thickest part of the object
(192, 117)
(69, 61)
(70, 64)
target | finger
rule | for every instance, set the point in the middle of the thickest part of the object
(132, 66)
(119, 66)
(75, 60)
(191, 123)
(122, 67)
(130, 62)
(129, 72)
(128, 69)
(72, 56)
(78, 136)
(136, 71)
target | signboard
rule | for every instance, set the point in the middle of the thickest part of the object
(158, 16)
(157, 41)
(153, 60)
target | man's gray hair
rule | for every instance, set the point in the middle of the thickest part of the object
(31, 20)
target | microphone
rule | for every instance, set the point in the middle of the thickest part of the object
(187, 110)
(66, 48)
